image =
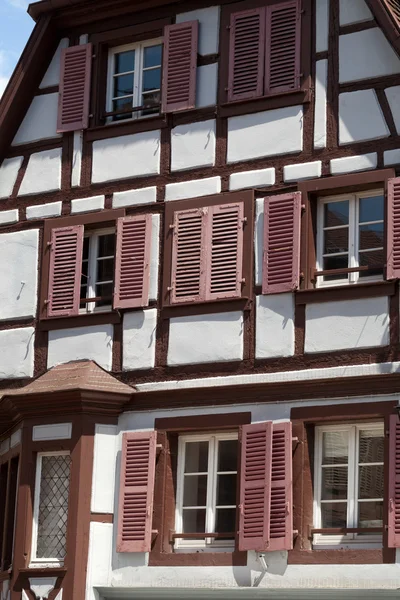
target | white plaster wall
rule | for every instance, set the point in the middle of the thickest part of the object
(354, 11)
(206, 88)
(393, 96)
(83, 205)
(206, 338)
(77, 159)
(104, 467)
(134, 197)
(42, 211)
(347, 324)
(193, 145)
(139, 340)
(322, 25)
(52, 76)
(58, 431)
(274, 325)
(352, 164)
(40, 122)
(17, 353)
(154, 256)
(43, 173)
(92, 343)
(18, 274)
(7, 217)
(127, 156)
(321, 83)
(360, 117)
(8, 175)
(252, 179)
(301, 171)
(259, 240)
(391, 157)
(208, 19)
(192, 189)
(357, 61)
(268, 133)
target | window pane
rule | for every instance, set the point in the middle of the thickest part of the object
(334, 483)
(225, 520)
(105, 270)
(151, 100)
(151, 80)
(371, 236)
(336, 240)
(370, 514)
(104, 290)
(152, 56)
(123, 85)
(336, 262)
(107, 245)
(370, 484)
(196, 457)
(194, 521)
(226, 490)
(335, 447)
(334, 514)
(371, 209)
(336, 213)
(374, 260)
(120, 105)
(124, 62)
(227, 458)
(195, 490)
(371, 446)
(85, 248)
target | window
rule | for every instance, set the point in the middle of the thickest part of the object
(206, 492)
(350, 238)
(134, 80)
(51, 507)
(8, 501)
(97, 270)
(349, 484)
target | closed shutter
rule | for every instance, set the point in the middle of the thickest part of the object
(65, 271)
(394, 9)
(281, 518)
(74, 96)
(180, 66)
(393, 229)
(255, 493)
(246, 54)
(132, 262)
(281, 254)
(394, 483)
(135, 509)
(282, 64)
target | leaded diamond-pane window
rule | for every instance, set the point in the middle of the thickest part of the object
(52, 512)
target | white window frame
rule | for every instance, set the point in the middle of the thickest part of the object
(353, 254)
(138, 80)
(207, 544)
(92, 269)
(351, 540)
(41, 562)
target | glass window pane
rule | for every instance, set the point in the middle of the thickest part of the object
(226, 490)
(120, 105)
(151, 100)
(335, 447)
(104, 290)
(105, 270)
(336, 240)
(107, 245)
(227, 457)
(124, 62)
(195, 490)
(335, 262)
(334, 483)
(334, 514)
(370, 482)
(371, 236)
(371, 445)
(336, 213)
(85, 248)
(225, 520)
(196, 457)
(152, 56)
(123, 85)
(371, 209)
(151, 80)
(374, 260)
(370, 514)
(194, 521)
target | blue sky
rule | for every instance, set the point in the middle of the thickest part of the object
(15, 28)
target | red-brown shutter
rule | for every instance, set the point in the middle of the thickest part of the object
(281, 517)
(74, 95)
(132, 262)
(255, 480)
(394, 483)
(246, 54)
(225, 251)
(393, 229)
(282, 60)
(281, 253)
(180, 66)
(65, 271)
(135, 507)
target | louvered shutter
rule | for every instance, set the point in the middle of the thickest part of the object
(281, 254)
(246, 54)
(281, 517)
(180, 66)
(394, 483)
(132, 262)
(74, 95)
(65, 271)
(135, 509)
(393, 229)
(225, 246)
(255, 492)
(394, 8)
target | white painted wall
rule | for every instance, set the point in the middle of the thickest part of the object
(206, 87)
(205, 338)
(322, 25)
(92, 343)
(354, 11)
(347, 324)
(258, 240)
(7, 217)
(52, 76)
(268, 133)
(352, 164)
(360, 117)
(193, 145)
(18, 274)
(17, 353)
(134, 197)
(274, 325)
(301, 171)
(104, 468)
(252, 179)
(357, 61)
(154, 257)
(43, 173)
(139, 340)
(83, 205)
(138, 155)
(393, 96)
(58, 431)
(321, 84)
(192, 189)
(40, 122)
(77, 159)
(208, 19)
(8, 175)
(42, 211)
(391, 157)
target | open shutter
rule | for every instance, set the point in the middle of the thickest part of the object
(180, 66)
(281, 255)
(283, 31)
(393, 229)
(255, 479)
(65, 271)
(394, 483)
(246, 54)
(281, 513)
(225, 231)
(132, 262)
(136, 492)
(74, 95)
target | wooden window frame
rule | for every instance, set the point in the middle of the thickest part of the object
(93, 258)
(7, 539)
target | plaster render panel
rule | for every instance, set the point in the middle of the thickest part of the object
(391, 157)
(87, 204)
(127, 156)
(322, 25)
(7, 217)
(154, 256)
(18, 274)
(347, 324)
(139, 340)
(17, 353)
(58, 431)
(302, 171)
(259, 240)
(104, 466)
(357, 61)
(193, 145)
(208, 19)
(360, 117)
(206, 88)
(8, 175)
(393, 96)
(252, 179)
(91, 343)
(43, 173)
(321, 83)
(352, 164)
(52, 76)
(193, 189)
(42, 211)
(206, 338)
(275, 325)
(77, 159)
(354, 11)
(40, 122)
(268, 133)
(134, 197)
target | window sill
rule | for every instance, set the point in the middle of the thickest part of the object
(44, 571)
(83, 320)
(342, 557)
(281, 100)
(346, 292)
(110, 130)
(198, 559)
(202, 308)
